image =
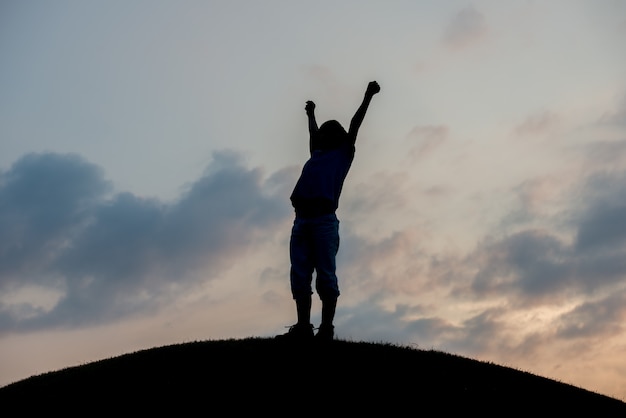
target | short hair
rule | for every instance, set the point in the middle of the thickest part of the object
(330, 135)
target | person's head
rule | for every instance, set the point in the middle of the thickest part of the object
(329, 135)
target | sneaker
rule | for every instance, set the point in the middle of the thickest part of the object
(298, 332)
(325, 333)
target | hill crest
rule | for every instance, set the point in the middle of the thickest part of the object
(265, 375)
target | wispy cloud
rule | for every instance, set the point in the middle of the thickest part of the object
(606, 153)
(426, 139)
(616, 116)
(467, 27)
(537, 124)
(599, 318)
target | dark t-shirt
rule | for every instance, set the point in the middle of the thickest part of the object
(319, 186)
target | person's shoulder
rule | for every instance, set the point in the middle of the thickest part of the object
(347, 149)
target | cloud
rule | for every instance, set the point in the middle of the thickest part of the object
(538, 265)
(602, 221)
(527, 264)
(375, 195)
(44, 200)
(538, 292)
(617, 116)
(599, 318)
(535, 196)
(466, 28)
(515, 293)
(607, 153)
(537, 124)
(535, 267)
(371, 321)
(477, 333)
(407, 323)
(111, 256)
(426, 139)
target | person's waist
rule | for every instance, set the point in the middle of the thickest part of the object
(313, 207)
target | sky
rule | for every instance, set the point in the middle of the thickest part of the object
(148, 149)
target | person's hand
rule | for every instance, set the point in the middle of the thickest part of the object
(372, 88)
(310, 107)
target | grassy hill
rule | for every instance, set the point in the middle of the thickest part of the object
(263, 375)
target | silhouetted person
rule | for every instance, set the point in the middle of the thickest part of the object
(315, 234)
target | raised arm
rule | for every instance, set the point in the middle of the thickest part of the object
(357, 119)
(310, 112)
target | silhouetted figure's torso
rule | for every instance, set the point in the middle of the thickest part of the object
(319, 186)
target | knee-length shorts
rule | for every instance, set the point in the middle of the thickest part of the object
(313, 246)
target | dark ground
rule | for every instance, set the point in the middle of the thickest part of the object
(261, 375)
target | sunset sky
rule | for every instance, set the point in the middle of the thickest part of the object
(148, 149)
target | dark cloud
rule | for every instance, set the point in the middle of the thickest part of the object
(538, 265)
(604, 226)
(602, 222)
(371, 321)
(431, 329)
(112, 255)
(599, 318)
(529, 263)
(477, 333)
(44, 200)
